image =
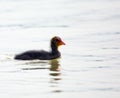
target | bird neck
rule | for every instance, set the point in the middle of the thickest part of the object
(54, 48)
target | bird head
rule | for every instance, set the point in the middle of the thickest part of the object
(57, 41)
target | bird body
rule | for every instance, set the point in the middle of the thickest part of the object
(37, 54)
(41, 54)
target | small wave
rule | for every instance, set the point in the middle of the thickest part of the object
(31, 26)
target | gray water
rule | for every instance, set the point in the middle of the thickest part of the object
(90, 62)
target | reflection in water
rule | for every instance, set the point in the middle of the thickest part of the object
(36, 65)
(55, 76)
(54, 71)
(54, 65)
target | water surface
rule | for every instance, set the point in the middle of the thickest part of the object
(90, 62)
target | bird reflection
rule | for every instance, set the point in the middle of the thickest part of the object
(55, 67)
(55, 76)
(52, 65)
(35, 65)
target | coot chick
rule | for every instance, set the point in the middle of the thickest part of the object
(41, 54)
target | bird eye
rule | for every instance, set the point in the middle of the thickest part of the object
(57, 40)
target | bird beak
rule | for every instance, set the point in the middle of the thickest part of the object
(61, 43)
